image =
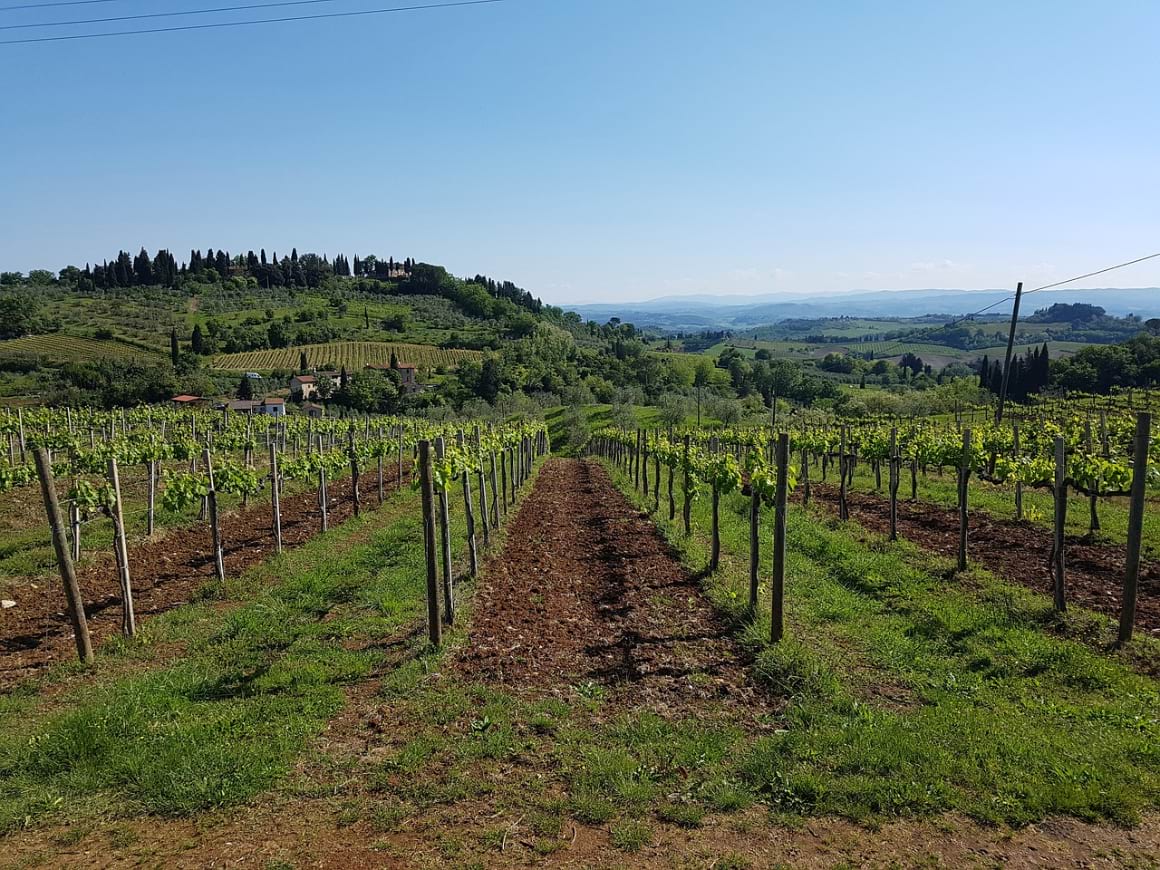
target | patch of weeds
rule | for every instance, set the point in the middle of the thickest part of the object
(685, 815)
(592, 809)
(630, 836)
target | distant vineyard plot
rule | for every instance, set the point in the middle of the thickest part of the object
(69, 348)
(353, 355)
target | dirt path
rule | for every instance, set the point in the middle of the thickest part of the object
(586, 589)
(165, 573)
(1018, 552)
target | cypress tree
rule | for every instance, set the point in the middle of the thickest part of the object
(174, 350)
(196, 341)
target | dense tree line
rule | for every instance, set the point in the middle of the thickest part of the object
(1030, 374)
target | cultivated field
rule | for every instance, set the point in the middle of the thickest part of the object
(68, 348)
(351, 354)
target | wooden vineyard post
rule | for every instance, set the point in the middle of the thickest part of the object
(497, 504)
(636, 463)
(672, 499)
(754, 545)
(74, 517)
(214, 526)
(895, 473)
(151, 503)
(275, 498)
(469, 512)
(656, 481)
(843, 508)
(805, 477)
(644, 463)
(379, 450)
(354, 471)
(1057, 560)
(323, 494)
(781, 460)
(503, 488)
(1018, 485)
(1135, 525)
(68, 576)
(1093, 499)
(434, 624)
(128, 622)
(687, 507)
(445, 537)
(481, 481)
(715, 544)
(399, 479)
(964, 478)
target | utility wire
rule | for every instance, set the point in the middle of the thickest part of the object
(218, 24)
(60, 3)
(1010, 298)
(165, 14)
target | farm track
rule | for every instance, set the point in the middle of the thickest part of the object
(1017, 552)
(165, 573)
(587, 590)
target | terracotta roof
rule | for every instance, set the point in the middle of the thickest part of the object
(186, 399)
(305, 379)
(273, 401)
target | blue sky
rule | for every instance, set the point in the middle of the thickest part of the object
(603, 150)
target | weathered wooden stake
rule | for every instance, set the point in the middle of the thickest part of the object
(469, 512)
(964, 478)
(434, 623)
(1057, 560)
(1135, 525)
(128, 622)
(777, 627)
(275, 498)
(445, 540)
(68, 577)
(214, 525)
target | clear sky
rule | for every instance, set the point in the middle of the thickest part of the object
(603, 150)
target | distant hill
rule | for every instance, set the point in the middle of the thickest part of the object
(694, 313)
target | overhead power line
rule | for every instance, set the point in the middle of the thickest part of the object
(164, 14)
(59, 3)
(1049, 286)
(221, 24)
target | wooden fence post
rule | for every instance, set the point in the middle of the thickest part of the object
(469, 511)
(1018, 485)
(754, 545)
(434, 624)
(843, 507)
(354, 471)
(481, 480)
(68, 577)
(214, 526)
(275, 498)
(445, 539)
(1135, 525)
(1057, 560)
(964, 478)
(895, 474)
(151, 498)
(686, 508)
(777, 626)
(128, 622)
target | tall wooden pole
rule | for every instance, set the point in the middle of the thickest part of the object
(128, 621)
(434, 623)
(72, 589)
(1135, 524)
(777, 627)
(1007, 359)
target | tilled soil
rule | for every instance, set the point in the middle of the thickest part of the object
(1019, 552)
(587, 591)
(165, 573)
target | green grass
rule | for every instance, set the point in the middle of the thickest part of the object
(1038, 504)
(224, 720)
(911, 693)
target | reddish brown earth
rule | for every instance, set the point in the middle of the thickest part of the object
(586, 589)
(1019, 552)
(165, 572)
